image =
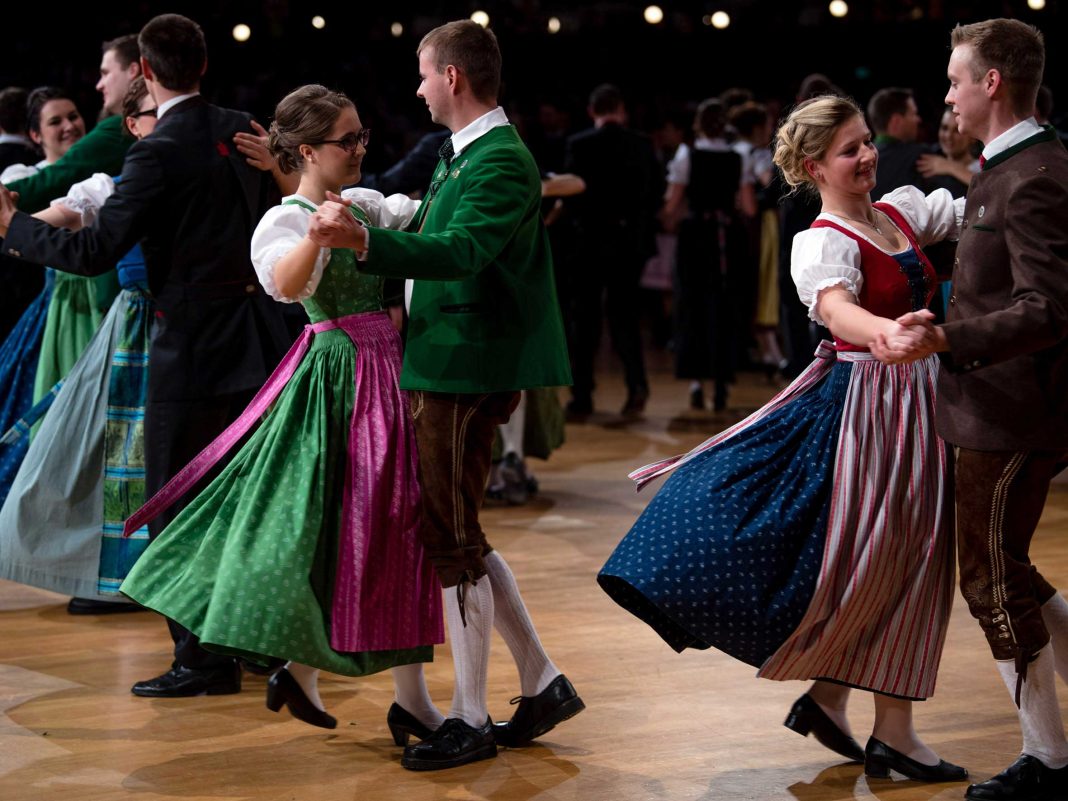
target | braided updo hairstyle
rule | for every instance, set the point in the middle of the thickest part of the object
(807, 134)
(304, 115)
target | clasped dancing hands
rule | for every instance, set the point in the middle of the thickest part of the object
(334, 226)
(911, 337)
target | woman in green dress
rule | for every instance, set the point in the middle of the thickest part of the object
(78, 304)
(304, 548)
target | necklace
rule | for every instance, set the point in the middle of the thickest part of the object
(871, 223)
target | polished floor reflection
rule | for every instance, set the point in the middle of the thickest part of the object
(695, 727)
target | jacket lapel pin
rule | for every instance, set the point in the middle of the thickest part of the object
(982, 210)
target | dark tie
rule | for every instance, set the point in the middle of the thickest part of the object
(445, 152)
(982, 162)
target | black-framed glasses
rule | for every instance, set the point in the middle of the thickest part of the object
(349, 142)
(148, 112)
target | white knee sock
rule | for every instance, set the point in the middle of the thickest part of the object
(470, 650)
(308, 679)
(1055, 616)
(512, 431)
(513, 622)
(411, 694)
(1040, 714)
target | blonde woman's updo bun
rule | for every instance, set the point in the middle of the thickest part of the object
(807, 133)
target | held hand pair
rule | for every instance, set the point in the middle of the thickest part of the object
(912, 337)
(334, 226)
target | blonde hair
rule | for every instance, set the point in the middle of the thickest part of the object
(807, 134)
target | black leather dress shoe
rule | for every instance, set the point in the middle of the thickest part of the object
(282, 688)
(1026, 779)
(537, 714)
(94, 606)
(806, 716)
(455, 743)
(183, 682)
(403, 724)
(880, 759)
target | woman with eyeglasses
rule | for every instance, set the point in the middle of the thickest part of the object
(304, 547)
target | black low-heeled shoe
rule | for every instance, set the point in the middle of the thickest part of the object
(806, 717)
(880, 759)
(403, 724)
(282, 688)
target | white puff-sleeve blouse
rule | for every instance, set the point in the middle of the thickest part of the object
(825, 257)
(283, 227)
(86, 197)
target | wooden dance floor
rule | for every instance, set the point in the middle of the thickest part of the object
(657, 725)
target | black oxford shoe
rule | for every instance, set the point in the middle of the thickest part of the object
(537, 714)
(183, 682)
(1026, 779)
(455, 743)
(96, 606)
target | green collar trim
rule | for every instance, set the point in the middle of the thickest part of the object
(885, 139)
(1047, 134)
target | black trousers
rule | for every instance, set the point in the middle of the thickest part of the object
(604, 280)
(175, 432)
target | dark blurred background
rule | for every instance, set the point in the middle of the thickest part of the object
(663, 69)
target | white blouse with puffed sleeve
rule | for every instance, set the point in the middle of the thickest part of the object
(824, 257)
(86, 197)
(283, 227)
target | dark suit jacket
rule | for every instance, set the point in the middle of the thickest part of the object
(18, 153)
(1004, 385)
(624, 187)
(193, 200)
(897, 167)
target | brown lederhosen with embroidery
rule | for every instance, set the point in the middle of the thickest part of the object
(455, 433)
(1000, 495)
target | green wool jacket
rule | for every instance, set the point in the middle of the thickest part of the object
(103, 149)
(484, 315)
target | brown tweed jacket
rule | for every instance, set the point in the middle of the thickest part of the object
(1004, 382)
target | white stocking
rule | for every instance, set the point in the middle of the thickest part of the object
(411, 694)
(1040, 714)
(512, 431)
(1055, 616)
(470, 650)
(513, 622)
(308, 679)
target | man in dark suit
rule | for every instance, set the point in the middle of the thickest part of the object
(15, 145)
(192, 200)
(1003, 389)
(895, 120)
(615, 221)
